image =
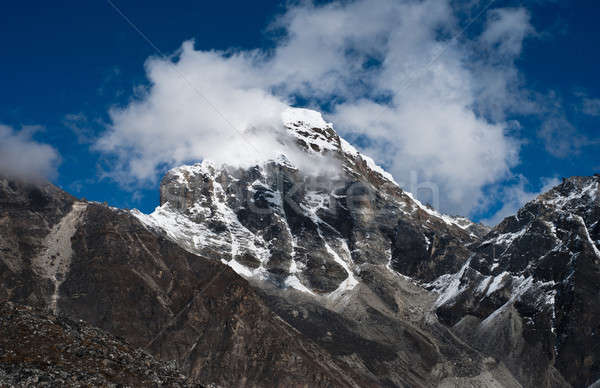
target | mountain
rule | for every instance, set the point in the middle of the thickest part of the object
(530, 290)
(91, 262)
(306, 230)
(313, 268)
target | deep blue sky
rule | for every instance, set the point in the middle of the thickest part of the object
(71, 57)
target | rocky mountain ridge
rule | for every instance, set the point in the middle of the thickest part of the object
(119, 275)
(538, 268)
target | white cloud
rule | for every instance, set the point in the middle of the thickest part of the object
(517, 195)
(432, 122)
(173, 123)
(440, 142)
(387, 70)
(506, 30)
(23, 157)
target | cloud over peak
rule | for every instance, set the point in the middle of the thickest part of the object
(401, 76)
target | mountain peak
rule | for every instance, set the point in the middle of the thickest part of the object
(303, 117)
(573, 192)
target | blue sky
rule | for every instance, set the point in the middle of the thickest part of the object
(66, 64)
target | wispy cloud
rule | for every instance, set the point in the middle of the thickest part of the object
(81, 127)
(23, 157)
(560, 137)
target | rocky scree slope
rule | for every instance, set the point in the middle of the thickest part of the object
(41, 349)
(90, 262)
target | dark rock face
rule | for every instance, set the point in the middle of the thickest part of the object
(427, 256)
(40, 349)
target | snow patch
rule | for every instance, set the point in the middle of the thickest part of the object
(497, 283)
(450, 286)
(506, 239)
(293, 282)
(587, 235)
(350, 282)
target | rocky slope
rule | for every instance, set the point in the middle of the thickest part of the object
(42, 350)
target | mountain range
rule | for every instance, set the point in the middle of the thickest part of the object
(312, 268)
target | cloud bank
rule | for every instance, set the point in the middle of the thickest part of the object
(399, 78)
(23, 157)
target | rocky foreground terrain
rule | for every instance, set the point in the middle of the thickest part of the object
(40, 349)
(317, 271)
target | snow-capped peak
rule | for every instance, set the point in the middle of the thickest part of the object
(307, 117)
(270, 221)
